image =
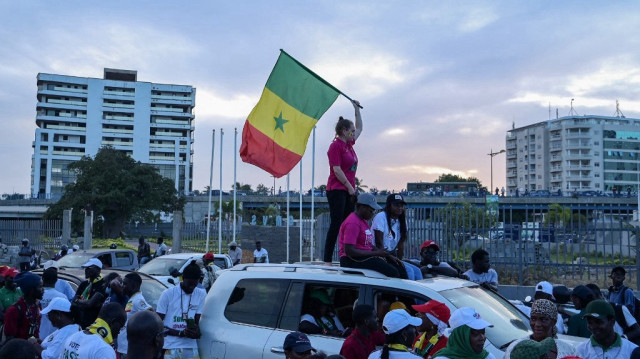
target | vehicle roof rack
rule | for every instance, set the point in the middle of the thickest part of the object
(310, 267)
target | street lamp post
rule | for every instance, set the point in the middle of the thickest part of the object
(492, 155)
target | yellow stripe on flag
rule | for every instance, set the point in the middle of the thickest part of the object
(291, 130)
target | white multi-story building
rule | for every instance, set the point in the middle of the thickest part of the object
(574, 153)
(76, 116)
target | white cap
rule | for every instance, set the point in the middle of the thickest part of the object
(468, 316)
(93, 262)
(58, 303)
(398, 319)
(545, 287)
(75, 247)
(50, 264)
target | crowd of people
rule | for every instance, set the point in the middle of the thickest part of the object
(106, 317)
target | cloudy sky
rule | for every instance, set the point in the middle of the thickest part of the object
(440, 81)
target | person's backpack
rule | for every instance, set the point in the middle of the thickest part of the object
(636, 302)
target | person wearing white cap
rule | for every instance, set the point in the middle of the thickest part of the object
(235, 253)
(90, 294)
(467, 337)
(59, 313)
(544, 290)
(400, 331)
(49, 278)
(357, 246)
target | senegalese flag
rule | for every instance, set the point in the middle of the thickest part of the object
(275, 135)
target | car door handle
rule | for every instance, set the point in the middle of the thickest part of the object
(277, 350)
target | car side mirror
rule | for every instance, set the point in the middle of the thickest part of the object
(170, 280)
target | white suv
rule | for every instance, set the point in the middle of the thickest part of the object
(251, 308)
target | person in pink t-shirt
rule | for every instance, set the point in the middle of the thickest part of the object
(341, 185)
(356, 244)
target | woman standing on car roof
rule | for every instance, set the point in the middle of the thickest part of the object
(341, 185)
(390, 232)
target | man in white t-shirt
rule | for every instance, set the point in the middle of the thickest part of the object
(96, 341)
(162, 248)
(62, 285)
(180, 308)
(481, 271)
(260, 254)
(59, 313)
(136, 303)
(49, 278)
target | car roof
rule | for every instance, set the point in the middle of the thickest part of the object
(79, 273)
(316, 272)
(103, 250)
(181, 255)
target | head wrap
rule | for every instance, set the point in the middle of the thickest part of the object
(27, 281)
(459, 346)
(545, 307)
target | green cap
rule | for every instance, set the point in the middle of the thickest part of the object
(321, 295)
(530, 349)
(600, 309)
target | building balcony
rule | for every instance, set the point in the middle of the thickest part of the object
(119, 93)
(68, 153)
(117, 143)
(60, 106)
(65, 128)
(172, 101)
(117, 130)
(119, 105)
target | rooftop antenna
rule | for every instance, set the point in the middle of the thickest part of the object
(557, 116)
(618, 112)
(572, 111)
(549, 111)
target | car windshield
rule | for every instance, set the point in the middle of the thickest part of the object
(220, 262)
(162, 266)
(151, 290)
(74, 260)
(508, 322)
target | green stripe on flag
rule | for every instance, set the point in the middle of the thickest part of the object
(300, 88)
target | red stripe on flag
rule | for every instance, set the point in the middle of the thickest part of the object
(262, 151)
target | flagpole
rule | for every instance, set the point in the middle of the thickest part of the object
(220, 197)
(288, 217)
(213, 142)
(313, 190)
(235, 160)
(300, 224)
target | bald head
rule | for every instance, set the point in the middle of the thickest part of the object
(144, 330)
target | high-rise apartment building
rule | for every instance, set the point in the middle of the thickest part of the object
(76, 116)
(574, 153)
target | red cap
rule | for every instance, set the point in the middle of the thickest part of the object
(429, 244)
(435, 308)
(208, 256)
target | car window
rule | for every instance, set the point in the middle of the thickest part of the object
(124, 259)
(220, 262)
(509, 324)
(385, 299)
(151, 290)
(162, 266)
(105, 258)
(327, 309)
(257, 301)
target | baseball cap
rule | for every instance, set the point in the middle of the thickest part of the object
(321, 295)
(435, 308)
(545, 287)
(531, 349)
(398, 319)
(208, 256)
(429, 243)
(298, 342)
(50, 264)
(59, 304)
(369, 200)
(395, 198)
(93, 262)
(600, 309)
(468, 316)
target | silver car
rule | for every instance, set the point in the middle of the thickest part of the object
(251, 308)
(110, 258)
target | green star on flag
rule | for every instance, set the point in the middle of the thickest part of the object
(280, 122)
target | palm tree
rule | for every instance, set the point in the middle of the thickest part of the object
(360, 186)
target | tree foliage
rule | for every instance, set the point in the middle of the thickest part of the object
(450, 177)
(118, 189)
